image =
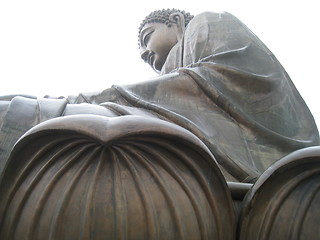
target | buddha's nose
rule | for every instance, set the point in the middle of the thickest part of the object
(144, 55)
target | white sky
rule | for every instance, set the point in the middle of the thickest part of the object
(64, 47)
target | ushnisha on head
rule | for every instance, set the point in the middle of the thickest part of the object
(159, 32)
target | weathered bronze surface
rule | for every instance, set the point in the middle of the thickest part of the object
(93, 177)
(222, 117)
(219, 81)
(284, 202)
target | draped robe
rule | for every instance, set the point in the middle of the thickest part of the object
(219, 81)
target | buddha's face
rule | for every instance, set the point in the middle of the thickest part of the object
(156, 41)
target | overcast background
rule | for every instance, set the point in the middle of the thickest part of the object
(64, 47)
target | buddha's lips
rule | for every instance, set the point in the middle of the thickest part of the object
(151, 59)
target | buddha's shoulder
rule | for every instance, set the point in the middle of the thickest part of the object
(217, 16)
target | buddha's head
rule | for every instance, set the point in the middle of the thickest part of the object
(159, 32)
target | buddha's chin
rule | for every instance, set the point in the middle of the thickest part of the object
(154, 69)
(157, 66)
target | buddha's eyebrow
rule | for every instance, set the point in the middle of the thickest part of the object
(143, 32)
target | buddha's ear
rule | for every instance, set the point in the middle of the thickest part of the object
(178, 19)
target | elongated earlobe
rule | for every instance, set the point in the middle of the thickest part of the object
(178, 19)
